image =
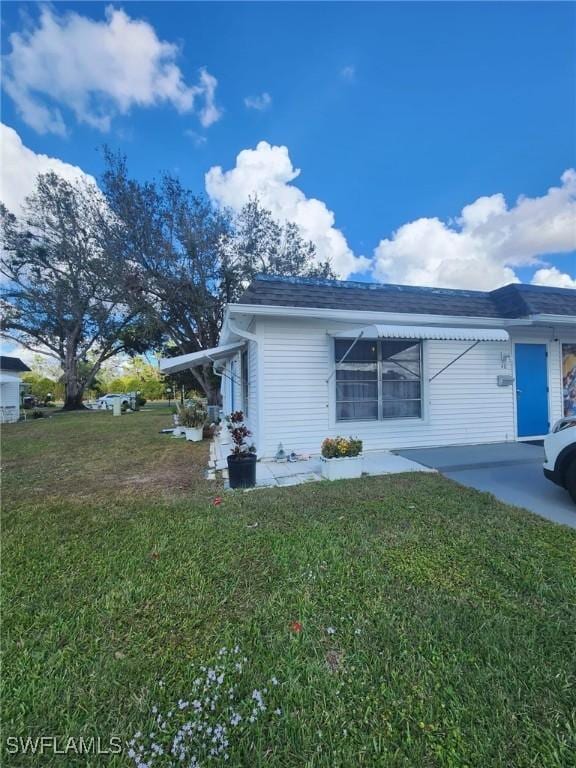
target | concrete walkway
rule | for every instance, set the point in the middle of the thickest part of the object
(272, 473)
(510, 471)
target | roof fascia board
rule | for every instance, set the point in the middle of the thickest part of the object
(554, 319)
(351, 315)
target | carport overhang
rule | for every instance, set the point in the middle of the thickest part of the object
(204, 357)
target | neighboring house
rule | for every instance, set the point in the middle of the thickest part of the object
(397, 366)
(11, 370)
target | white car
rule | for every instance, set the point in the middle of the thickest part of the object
(107, 401)
(560, 455)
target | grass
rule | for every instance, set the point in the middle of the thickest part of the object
(454, 615)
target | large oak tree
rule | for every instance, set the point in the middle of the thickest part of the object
(65, 289)
(192, 258)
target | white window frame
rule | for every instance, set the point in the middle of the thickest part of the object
(362, 424)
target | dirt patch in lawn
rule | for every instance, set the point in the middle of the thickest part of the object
(93, 455)
(170, 478)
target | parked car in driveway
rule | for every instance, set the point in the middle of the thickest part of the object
(107, 401)
(560, 455)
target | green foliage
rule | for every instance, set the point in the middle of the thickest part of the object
(36, 413)
(42, 386)
(189, 258)
(341, 447)
(139, 376)
(66, 283)
(192, 414)
(260, 244)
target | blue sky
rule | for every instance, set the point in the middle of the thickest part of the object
(394, 112)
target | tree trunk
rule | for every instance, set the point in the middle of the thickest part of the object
(209, 382)
(73, 402)
(73, 387)
(212, 389)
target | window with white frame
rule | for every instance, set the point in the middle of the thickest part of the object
(378, 379)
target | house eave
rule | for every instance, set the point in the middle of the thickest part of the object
(353, 315)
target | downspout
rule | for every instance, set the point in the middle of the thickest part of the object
(242, 333)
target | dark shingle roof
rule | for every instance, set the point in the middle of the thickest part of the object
(12, 364)
(520, 300)
(515, 300)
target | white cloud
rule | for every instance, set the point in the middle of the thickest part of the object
(13, 349)
(267, 172)
(553, 277)
(20, 166)
(209, 113)
(196, 138)
(97, 69)
(260, 103)
(481, 248)
(348, 73)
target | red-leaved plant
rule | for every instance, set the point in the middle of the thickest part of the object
(239, 433)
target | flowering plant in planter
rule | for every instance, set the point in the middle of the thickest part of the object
(192, 417)
(242, 459)
(340, 447)
(341, 458)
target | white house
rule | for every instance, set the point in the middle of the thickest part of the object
(397, 366)
(11, 370)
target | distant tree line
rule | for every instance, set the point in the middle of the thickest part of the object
(90, 273)
(134, 375)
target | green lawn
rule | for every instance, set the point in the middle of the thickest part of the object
(451, 616)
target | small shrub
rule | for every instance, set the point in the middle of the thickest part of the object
(341, 447)
(36, 414)
(239, 433)
(192, 414)
(140, 401)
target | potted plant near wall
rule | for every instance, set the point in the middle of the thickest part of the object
(192, 419)
(341, 458)
(242, 460)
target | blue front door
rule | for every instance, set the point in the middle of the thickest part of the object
(532, 389)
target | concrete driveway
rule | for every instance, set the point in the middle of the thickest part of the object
(511, 471)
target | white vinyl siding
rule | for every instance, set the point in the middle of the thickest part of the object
(9, 401)
(463, 405)
(292, 389)
(252, 418)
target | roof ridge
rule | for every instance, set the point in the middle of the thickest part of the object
(518, 288)
(363, 284)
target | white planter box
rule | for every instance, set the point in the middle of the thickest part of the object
(342, 469)
(193, 434)
(178, 432)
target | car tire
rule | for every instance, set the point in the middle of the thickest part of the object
(571, 479)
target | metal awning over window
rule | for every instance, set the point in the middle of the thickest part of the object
(420, 332)
(204, 357)
(424, 332)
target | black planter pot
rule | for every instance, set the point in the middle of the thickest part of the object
(242, 471)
